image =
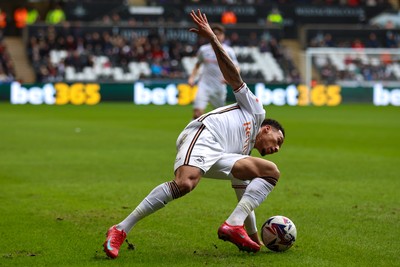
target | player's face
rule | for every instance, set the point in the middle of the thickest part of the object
(269, 140)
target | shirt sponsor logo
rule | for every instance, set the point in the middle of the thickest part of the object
(247, 132)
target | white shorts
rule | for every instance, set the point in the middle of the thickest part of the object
(207, 94)
(197, 147)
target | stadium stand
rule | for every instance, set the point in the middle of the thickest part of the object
(7, 71)
(97, 53)
(122, 41)
(369, 56)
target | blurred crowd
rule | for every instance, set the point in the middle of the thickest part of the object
(164, 57)
(308, 2)
(359, 67)
(7, 71)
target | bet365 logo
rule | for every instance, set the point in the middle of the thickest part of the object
(56, 94)
(301, 95)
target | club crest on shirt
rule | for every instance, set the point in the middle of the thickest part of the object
(200, 160)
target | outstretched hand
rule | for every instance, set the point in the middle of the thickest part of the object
(225, 63)
(203, 27)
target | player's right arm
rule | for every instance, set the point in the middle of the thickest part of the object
(226, 65)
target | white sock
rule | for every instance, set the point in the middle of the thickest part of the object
(155, 200)
(255, 194)
(240, 187)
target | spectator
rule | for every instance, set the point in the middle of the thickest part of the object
(370, 3)
(115, 18)
(6, 66)
(391, 40)
(106, 20)
(20, 17)
(33, 16)
(157, 52)
(328, 73)
(4, 77)
(253, 40)
(7, 72)
(55, 15)
(3, 19)
(263, 46)
(234, 40)
(121, 50)
(275, 17)
(357, 44)
(175, 50)
(70, 43)
(156, 68)
(275, 49)
(389, 25)
(386, 58)
(353, 3)
(294, 76)
(328, 40)
(372, 41)
(228, 17)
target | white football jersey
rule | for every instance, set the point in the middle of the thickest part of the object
(211, 75)
(235, 126)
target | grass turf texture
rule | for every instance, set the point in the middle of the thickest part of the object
(68, 173)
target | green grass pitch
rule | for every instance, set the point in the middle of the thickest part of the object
(67, 173)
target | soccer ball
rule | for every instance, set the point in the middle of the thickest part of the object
(278, 233)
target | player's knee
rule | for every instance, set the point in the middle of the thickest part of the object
(275, 172)
(185, 187)
(186, 178)
(271, 174)
(268, 169)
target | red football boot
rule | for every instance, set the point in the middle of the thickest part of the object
(238, 236)
(114, 240)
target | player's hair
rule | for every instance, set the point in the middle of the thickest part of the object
(274, 124)
(218, 27)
